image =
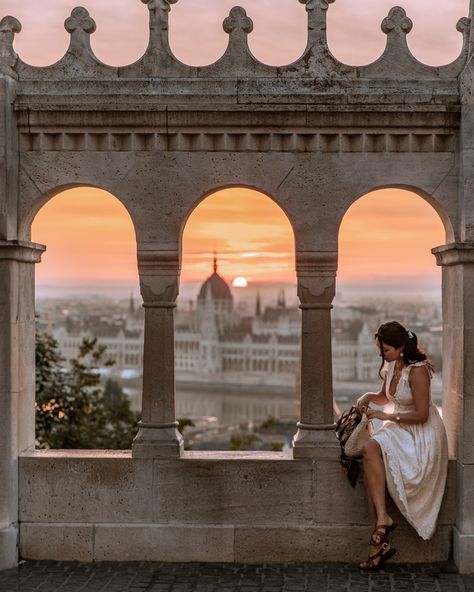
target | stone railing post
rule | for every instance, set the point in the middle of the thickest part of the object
(17, 380)
(158, 435)
(457, 261)
(316, 289)
(317, 21)
(159, 58)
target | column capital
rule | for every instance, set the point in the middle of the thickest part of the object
(454, 254)
(316, 271)
(159, 271)
(23, 251)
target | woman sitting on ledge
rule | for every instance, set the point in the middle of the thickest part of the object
(409, 453)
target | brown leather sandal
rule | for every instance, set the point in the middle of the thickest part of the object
(380, 534)
(383, 554)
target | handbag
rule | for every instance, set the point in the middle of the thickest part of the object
(355, 443)
(353, 430)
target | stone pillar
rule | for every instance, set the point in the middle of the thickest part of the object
(17, 380)
(457, 261)
(158, 435)
(316, 289)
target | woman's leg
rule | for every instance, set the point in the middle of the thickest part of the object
(370, 503)
(374, 479)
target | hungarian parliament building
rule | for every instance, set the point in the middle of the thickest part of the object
(216, 344)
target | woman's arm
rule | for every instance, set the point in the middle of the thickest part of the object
(419, 380)
(378, 398)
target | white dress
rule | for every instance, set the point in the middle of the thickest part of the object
(415, 457)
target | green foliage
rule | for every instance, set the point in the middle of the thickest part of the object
(240, 441)
(72, 409)
(268, 423)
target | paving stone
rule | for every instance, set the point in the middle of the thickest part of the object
(47, 576)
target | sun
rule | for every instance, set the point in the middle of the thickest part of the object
(239, 282)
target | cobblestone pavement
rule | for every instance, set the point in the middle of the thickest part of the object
(54, 576)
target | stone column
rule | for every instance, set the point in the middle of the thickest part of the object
(316, 289)
(158, 435)
(457, 261)
(17, 380)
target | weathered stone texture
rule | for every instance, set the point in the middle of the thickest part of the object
(252, 508)
(314, 136)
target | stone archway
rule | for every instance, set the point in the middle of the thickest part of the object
(239, 354)
(159, 132)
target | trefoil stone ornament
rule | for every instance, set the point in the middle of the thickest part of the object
(238, 21)
(397, 22)
(80, 25)
(312, 4)
(164, 5)
(9, 26)
(463, 25)
(80, 20)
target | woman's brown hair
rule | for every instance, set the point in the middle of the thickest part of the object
(394, 334)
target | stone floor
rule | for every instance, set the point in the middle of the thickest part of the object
(53, 576)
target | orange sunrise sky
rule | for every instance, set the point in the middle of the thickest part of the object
(379, 244)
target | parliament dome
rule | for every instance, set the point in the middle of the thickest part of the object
(216, 286)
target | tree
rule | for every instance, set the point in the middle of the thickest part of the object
(72, 409)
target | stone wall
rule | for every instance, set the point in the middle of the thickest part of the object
(160, 135)
(242, 507)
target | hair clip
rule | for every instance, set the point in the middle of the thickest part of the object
(410, 334)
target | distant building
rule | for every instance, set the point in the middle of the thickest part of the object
(213, 343)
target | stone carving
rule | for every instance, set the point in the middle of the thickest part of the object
(316, 278)
(239, 141)
(160, 4)
(238, 21)
(312, 4)
(80, 20)
(159, 58)
(159, 272)
(397, 22)
(463, 25)
(80, 25)
(9, 26)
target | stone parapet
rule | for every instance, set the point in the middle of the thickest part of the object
(99, 506)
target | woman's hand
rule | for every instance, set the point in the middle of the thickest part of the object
(363, 402)
(376, 414)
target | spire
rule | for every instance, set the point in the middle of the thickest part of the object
(281, 299)
(258, 309)
(131, 306)
(215, 262)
